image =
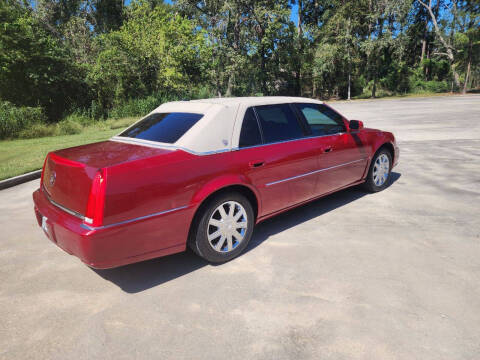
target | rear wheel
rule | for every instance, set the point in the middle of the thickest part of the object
(378, 176)
(223, 228)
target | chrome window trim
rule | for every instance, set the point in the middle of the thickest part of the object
(287, 141)
(313, 172)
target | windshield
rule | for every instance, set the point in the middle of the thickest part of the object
(162, 127)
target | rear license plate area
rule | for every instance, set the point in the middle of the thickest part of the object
(47, 228)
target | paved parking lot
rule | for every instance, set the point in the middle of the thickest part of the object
(393, 275)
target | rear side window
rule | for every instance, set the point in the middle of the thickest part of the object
(250, 133)
(163, 127)
(321, 119)
(278, 123)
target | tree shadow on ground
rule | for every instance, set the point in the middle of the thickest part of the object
(147, 274)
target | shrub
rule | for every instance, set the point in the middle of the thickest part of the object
(120, 123)
(101, 125)
(38, 131)
(419, 85)
(15, 119)
(69, 127)
(436, 86)
(380, 91)
(203, 92)
(80, 118)
(137, 107)
(433, 86)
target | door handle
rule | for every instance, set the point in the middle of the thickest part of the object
(255, 164)
(327, 149)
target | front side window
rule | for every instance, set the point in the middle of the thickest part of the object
(321, 119)
(250, 133)
(162, 127)
(278, 123)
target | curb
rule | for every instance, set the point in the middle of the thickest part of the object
(20, 179)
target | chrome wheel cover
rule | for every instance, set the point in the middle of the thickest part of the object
(227, 226)
(381, 169)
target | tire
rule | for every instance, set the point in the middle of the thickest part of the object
(376, 180)
(216, 236)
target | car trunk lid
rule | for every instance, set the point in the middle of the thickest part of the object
(69, 175)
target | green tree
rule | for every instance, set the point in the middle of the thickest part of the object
(34, 67)
(154, 50)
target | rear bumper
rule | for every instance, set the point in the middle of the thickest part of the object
(113, 246)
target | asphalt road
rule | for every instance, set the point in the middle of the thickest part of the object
(393, 275)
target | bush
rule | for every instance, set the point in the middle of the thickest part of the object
(80, 118)
(69, 127)
(15, 119)
(419, 85)
(380, 91)
(433, 86)
(101, 125)
(38, 131)
(138, 107)
(120, 123)
(203, 92)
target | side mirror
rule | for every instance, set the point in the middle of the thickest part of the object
(355, 125)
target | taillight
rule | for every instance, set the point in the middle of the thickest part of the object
(43, 170)
(96, 200)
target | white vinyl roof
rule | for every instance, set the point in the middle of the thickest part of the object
(255, 100)
(219, 128)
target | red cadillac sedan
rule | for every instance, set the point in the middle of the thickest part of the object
(202, 173)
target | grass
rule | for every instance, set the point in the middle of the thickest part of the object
(24, 155)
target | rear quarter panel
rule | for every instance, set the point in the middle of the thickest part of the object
(158, 184)
(153, 185)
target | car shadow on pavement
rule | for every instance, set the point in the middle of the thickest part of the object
(147, 274)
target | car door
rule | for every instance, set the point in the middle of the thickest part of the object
(341, 155)
(275, 156)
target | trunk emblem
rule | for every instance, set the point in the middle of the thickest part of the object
(53, 178)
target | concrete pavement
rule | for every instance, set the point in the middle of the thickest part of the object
(393, 275)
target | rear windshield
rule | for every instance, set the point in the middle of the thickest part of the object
(162, 127)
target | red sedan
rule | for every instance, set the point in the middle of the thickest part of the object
(202, 173)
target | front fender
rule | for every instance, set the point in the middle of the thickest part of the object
(381, 139)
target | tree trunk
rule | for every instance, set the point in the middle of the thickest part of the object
(300, 19)
(424, 40)
(231, 79)
(377, 60)
(467, 76)
(349, 86)
(262, 69)
(236, 46)
(424, 47)
(300, 35)
(456, 77)
(349, 62)
(465, 86)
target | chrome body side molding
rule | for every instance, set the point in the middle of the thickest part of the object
(313, 172)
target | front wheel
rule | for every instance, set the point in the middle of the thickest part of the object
(379, 173)
(223, 228)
